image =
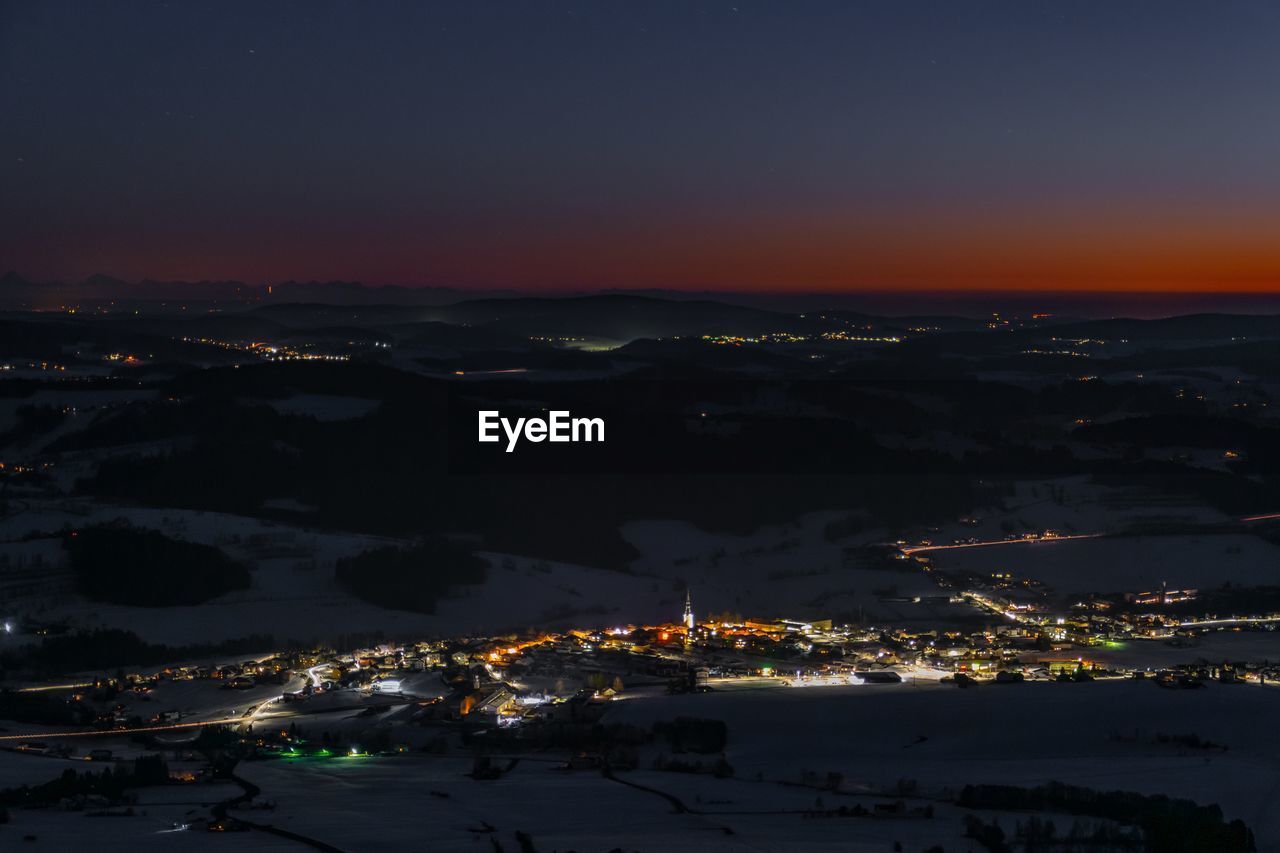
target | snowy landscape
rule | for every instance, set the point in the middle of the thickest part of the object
(579, 426)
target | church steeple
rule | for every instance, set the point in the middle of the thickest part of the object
(688, 609)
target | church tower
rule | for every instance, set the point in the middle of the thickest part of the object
(688, 610)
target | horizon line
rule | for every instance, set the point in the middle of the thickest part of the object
(1140, 291)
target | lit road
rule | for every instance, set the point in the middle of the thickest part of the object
(1242, 620)
(490, 372)
(987, 604)
(913, 549)
(253, 714)
(169, 727)
(312, 674)
(248, 715)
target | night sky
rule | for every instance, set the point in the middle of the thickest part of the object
(797, 145)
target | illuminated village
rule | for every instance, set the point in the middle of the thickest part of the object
(520, 683)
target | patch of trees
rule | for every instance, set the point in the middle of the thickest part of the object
(845, 527)
(1168, 825)
(282, 379)
(1190, 741)
(719, 767)
(145, 568)
(43, 708)
(413, 578)
(111, 647)
(32, 422)
(989, 835)
(1181, 430)
(693, 734)
(1040, 835)
(110, 784)
(160, 420)
(1231, 493)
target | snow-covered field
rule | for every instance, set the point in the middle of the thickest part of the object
(334, 801)
(152, 828)
(293, 601)
(294, 595)
(784, 571)
(790, 570)
(1075, 505)
(324, 407)
(1128, 564)
(1212, 648)
(782, 744)
(1094, 734)
(794, 570)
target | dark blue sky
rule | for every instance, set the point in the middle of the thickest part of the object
(806, 145)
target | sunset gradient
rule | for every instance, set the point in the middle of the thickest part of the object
(814, 146)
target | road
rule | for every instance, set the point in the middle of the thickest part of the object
(314, 675)
(171, 727)
(914, 549)
(250, 715)
(1243, 620)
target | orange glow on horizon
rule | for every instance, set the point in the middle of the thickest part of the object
(993, 248)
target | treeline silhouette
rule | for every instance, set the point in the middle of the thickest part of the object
(111, 647)
(1168, 825)
(410, 578)
(144, 568)
(110, 784)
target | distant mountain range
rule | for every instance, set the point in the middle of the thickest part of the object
(19, 293)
